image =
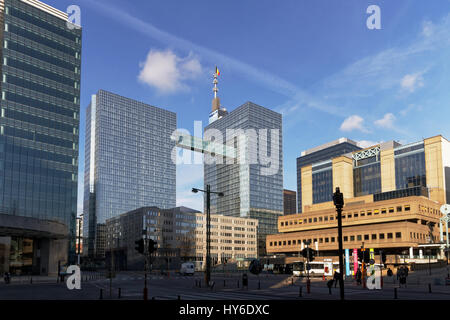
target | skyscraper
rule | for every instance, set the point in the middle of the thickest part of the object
(128, 162)
(39, 122)
(250, 191)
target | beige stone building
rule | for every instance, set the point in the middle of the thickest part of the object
(392, 196)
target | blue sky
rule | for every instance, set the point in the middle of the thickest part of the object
(316, 62)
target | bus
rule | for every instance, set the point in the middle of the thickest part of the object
(317, 268)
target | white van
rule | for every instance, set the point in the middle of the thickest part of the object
(187, 268)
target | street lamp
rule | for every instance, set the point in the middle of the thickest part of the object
(208, 228)
(338, 199)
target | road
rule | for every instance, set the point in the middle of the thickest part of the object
(226, 287)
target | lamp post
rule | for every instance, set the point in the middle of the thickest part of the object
(338, 199)
(208, 228)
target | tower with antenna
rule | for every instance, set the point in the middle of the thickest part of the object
(217, 111)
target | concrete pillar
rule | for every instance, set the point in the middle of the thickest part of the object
(420, 253)
(411, 252)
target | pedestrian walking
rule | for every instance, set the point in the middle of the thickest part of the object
(336, 277)
(358, 276)
(389, 272)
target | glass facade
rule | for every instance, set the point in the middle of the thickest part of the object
(248, 193)
(39, 122)
(322, 180)
(410, 170)
(318, 156)
(367, 177)
(128, 161)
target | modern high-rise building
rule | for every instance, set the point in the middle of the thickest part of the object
(128, 162)
(40, 58)
(289, 202)
(322, 171)
(392, 199)
(252, 183)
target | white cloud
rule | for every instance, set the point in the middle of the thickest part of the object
(165, 71)
(411, 82)
(367, 143)
(353, 122)
(427, 28)
(386, 122)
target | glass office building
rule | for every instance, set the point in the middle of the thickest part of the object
(40, 108)
(128, 162)
(248, 192)
(324, 179)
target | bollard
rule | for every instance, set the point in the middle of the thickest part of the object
(238, 283)
(120, 293)
(395, 293)
(200, 283)
(429, 288)
(259, 285)
(179, 297)
(300, 291)
(308, 286)
(101, 294)
(145, 293)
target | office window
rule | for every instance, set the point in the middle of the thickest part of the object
(271, 243)
(383, 210)
(366, 237)
(332, 239)
(399, 209)
(284, 243)
(352, 238)
(363, 214)
(326, 240)
(309, 220)
(331, 218)
(320, 219)
(391, 210)
(345, 238)
(389, 235)
(315, 219)
(325, 218)
(275, 244)
(374, 237)
(369, 212)
(356, 215)
(349, 216)
(282, 224)
(293, 242)
(381, 236)
(376, 211)
(407, 208)
(398, 235)
(321, 240)
(289, 242)
(359, 237)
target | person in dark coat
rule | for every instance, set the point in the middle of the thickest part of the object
(358, 276)
(336, 277)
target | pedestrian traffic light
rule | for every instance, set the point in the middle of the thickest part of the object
(139, 246)
(152, 246)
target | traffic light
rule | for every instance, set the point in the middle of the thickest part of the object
(139, 246)
(152, 246)
(360, 256)
(366, 256)
(312, 253)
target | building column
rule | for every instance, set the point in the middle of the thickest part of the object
(343, 175)
(307, 189)
(434, 168)
(411, 253)
(420, 253)
(387, 167)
